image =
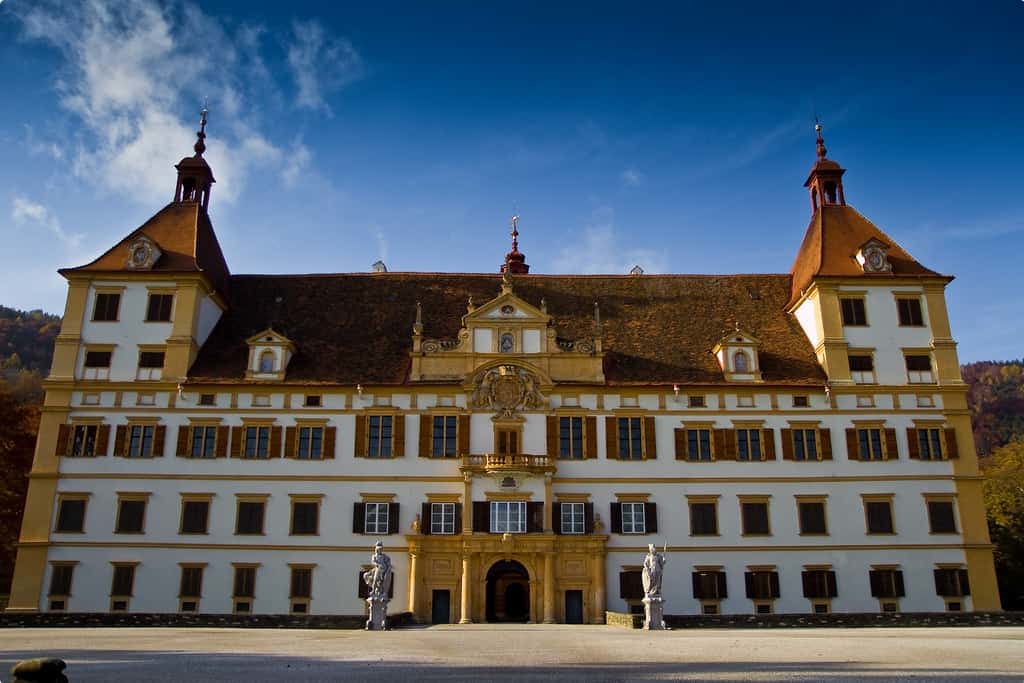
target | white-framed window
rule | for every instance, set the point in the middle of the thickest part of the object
(919, 369)
(442, 518)
(508, 516)
(376, 518)
(151, 365)
(862, 368)
(633, 518)
(97, 365)
(573, 518)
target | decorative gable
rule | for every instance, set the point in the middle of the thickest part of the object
(143, 253)
(269, 355)
(737, 356)
(873, 257)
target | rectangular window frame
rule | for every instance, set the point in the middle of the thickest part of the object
(637, 517)
(442, 518)
(699, 444)
(132, 497)
(202, 441)
(573, 518)
(120, 595)
(749, 446)
(93, 359)
(188, 499)
(140, 440)
(631, 439)
(878, 498)
(376, 518)
(744, 501)
(380, 431)
(851, 314)
(806, 445)
(508, 516)
(300, 590)
(802, 500)
(150, 364)
(865, 373)
(163, 303)
(907, 315)
(71, 497)
(314, 500)
(62, 579)
(571, 437)
(243, 587)
(247, 499)
(310, 442)
(82, 443)
(931, 443)
(705, 502)
(919, 375)
(949, 499)
(111, 300)
(256, 441)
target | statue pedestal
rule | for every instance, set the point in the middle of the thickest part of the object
(654, 614)
(378, 614)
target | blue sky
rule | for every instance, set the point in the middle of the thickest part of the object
(675, 136)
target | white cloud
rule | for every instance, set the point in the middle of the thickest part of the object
(132, 68)
(27, 214)
(600, 249)
(632, 177)
(320, 64)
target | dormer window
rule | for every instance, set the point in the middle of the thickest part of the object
(267, 361)
(740, 362)
(269, 355)
(737, 356)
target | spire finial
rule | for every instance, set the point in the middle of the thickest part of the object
(515, 234)
(200, 145)
(820, 141)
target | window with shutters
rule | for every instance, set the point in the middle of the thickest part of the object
(83, 441)
(698, 445)
(805, 444)
(151, 365)
(61, 576)
(195, 515)
(634, 519)
(506, 441)
(257, 443)
(811, 515)
(71, 513)
(909, 312)
(853, 310)
(919, 368)
(305, 517)
(121, 585)
(573, 518)
(190, 587)
(570, 438)
(754, 517)
(249, 517)
(204, 441)
(748, 444)
(310, 446)
(131, 515)
(444, 432)
(631, 440)
(244, 588)
(140, 441)
(762, 584)
(941, 516)
(300, 588)
(703, 518)
(96, 364)
(442, 518)
(869, 444)
(886, 583)
(376, 518)
(158, 309)
(878, 514)
(508, 517)
(819, 584)
(951, 582)
(105, 307)
(862, 368)
(378, 435)
(709, 585)
(929, 444)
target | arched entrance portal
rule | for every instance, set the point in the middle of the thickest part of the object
(508, 592)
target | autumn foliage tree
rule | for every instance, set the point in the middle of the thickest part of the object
(19, 423)
(1004, 500)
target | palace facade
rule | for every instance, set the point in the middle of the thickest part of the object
(218, 443)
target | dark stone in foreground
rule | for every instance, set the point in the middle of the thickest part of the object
(41, 670)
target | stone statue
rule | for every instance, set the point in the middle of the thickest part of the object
(654, 607)
(378, 579)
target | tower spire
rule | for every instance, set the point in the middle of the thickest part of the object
(825, 180)
(820, 141)
(200, 145)
(515, 261)
(195, 178)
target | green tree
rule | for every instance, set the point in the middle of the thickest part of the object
(1004, 501)
(19, 423)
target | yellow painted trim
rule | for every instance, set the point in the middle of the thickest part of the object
(632, 497)
(511, 496)
(443, 497)
(377, 497)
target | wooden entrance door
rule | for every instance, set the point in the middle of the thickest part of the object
(441, 610)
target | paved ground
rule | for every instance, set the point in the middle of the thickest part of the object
(523, 652)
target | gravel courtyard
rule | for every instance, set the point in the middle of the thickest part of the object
(522, 652)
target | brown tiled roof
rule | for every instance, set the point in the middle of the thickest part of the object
(658, 329)
(832, 239)
(186, 239)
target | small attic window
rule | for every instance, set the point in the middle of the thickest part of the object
(268, 339)
(267, 361)
(740, 362)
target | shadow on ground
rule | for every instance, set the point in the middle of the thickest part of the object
(94, 666)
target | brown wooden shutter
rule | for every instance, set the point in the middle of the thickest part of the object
(611, 438)
(680, 440)
(291, 446)
(787, 444)
(63, 440)
(807, 579)
(651, 518)
(852, 446)
(360, 443)
(825, 437)
(616, 518)
(831, 584)
(534, 517)
(221, 447)
(892, 451)
(275, 442)
(650, 439)
(426, 435)
(552, 426)
(952, 449)
(120, 439)
(590, 440)
(425, 519)
(393, 518)
(556, 518)
(182, 450)
(330, 437)
(463, 435)
(748, 579)
(768, 444)
(237, 441)
(725, 444)
(398, 436)
(913, 445)
(481, 516)
(773, 580)
(588, 518)
(458, 518)
(159, 438)
(359, 518)
(102, 440)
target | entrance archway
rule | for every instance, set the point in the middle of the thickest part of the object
(508, 592)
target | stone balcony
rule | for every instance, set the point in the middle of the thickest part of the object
(503, 463)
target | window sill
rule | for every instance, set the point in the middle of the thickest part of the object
(129, 533)
(306, 535)
(714, 535)
(193, 533)
(66, 531)
(758, 535)
(250, 533)
(814, 533)
(881, 533)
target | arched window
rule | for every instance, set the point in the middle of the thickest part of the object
(267, 361)
(740, 362)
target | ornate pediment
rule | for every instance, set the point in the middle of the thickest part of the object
(507, 390)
